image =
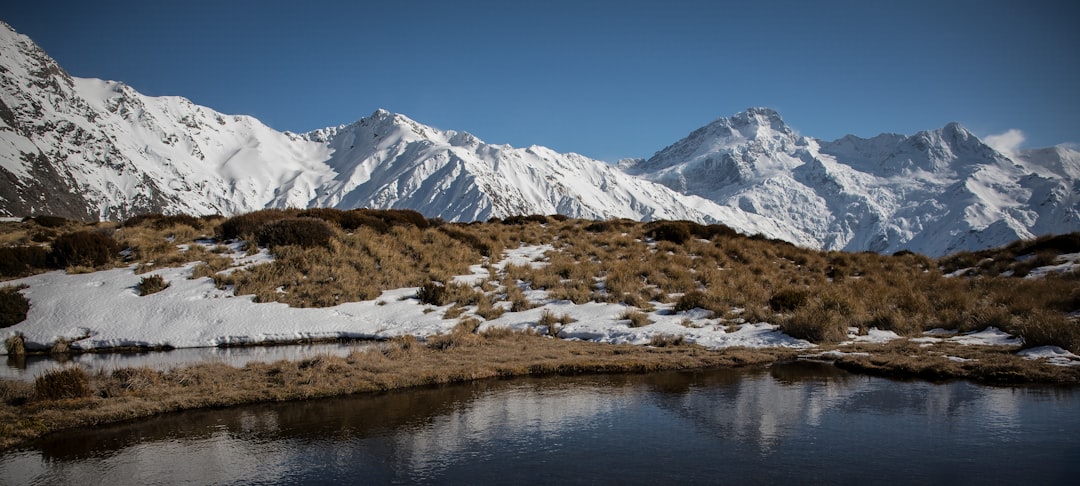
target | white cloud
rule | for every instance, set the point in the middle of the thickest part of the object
(1007, 143)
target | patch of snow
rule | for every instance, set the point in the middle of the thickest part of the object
(990, 336)
(1064, 263)
(1052, 354)
(830, 355)
(874, 335)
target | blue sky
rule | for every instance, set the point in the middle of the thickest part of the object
(607, 79)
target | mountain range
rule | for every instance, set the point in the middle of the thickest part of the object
(93, 149)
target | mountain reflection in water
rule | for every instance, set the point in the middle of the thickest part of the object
(801, 421)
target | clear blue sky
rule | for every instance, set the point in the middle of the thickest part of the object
(607, 79)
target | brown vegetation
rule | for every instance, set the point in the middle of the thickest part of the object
(13, 306)
(325, 257)
(70, 398)
(152, 284)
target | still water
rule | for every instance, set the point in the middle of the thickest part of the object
(801, 423)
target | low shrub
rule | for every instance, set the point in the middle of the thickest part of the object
(152, 284)
(522, 219)
(160, 221)
(22, 261)
(62, 383)
(677, 232)
(397, 217)
(242, 225)
(46, 221)
(13, 306)
(83, 248)
(304, 232)
(609, 226)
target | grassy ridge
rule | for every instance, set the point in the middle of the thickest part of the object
(325, 257)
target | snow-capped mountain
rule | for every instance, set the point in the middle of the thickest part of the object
(90, 149)
(934, 192)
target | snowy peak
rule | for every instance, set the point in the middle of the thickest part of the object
(93, 149)
(735, 151)
(948, 149)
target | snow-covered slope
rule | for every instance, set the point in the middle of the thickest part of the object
(390, 161)
(116, 153)
(934, 192)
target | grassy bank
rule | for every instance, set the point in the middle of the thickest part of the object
(67, 399)
(72, 398)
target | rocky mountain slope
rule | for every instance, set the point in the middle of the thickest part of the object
(93, 149)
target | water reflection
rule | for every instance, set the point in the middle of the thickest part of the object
(26, 368)
(716, 426)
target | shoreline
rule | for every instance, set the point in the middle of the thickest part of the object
(136, 393)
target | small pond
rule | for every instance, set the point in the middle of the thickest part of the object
(801, 422)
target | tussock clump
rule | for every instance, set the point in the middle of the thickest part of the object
(488, 310)
(13, 305)
(152, 284)
(15, 393)
(696, 299)
(471, 239)
(211, 266)
(15, 345)
(59, 384)
(303, 232)
(819, 321)
(135, 379)
(83, 248)
(665, 340)
(439, 294)
(1047, 328)
(787, 300)
(548, 320)
(637, 319)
